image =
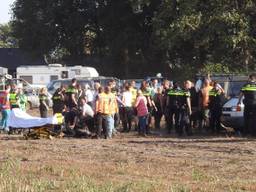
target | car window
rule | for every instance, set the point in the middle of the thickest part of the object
(235, 87)
(56, 85)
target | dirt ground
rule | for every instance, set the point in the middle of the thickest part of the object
(128, 163)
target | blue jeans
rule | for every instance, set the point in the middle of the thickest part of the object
(5, 117)
(110, 125)
(142, 124)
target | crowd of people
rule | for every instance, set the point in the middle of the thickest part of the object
(102, 112)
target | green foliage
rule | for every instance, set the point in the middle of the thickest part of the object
(218, 68)
(7, 40)
(141, 32)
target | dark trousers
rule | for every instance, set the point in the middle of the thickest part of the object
(100, 124)
(43, 113)
(249, 120)
(127, 113)
(184, 122)
(158, 116)
(173, 118)
(215, 115)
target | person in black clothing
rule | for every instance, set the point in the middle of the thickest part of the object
(249, 93)
(172, 108)
(215, 106)
(185, 110)
(194, 117)
(58, 100)
(158, 99)
(44, 103)
(71, 99)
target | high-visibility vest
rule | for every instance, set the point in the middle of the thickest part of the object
(13, 100)
(106, 104)
(249, 91)
(60, 118)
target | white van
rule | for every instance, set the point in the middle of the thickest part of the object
(42, 75)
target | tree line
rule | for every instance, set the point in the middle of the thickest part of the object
(132, 38)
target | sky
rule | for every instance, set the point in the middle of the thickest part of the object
(5, 15)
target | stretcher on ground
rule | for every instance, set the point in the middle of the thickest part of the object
(41, 127)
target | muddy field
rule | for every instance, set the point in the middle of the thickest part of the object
(128, 163)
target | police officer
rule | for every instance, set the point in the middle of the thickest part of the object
(172, 108)
(13, 98)
(215, 106)
(58, 100)
(249, 93)
(72, 95)
(184, 110)
(72, 105)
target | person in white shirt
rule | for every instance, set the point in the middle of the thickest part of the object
(89, 95)
(127, 100)
(87, 114)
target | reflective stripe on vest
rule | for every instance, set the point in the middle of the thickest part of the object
(56, 98)
(249, 87)
(42, 97)
(146, 93)
(214, 93)
(175, 92)
(71, 90)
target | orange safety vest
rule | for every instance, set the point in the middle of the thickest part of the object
(106, 104)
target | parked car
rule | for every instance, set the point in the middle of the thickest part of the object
(232, 115)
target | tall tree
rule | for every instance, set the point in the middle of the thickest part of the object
(7, 40)
(194, 33)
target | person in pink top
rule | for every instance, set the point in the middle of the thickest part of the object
(142, 112)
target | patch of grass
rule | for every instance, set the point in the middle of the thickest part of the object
(13, 179)
(179, 188)
(197, 175)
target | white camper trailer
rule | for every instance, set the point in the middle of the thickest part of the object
(42, 75)
(3, 71)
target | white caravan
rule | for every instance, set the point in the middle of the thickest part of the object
(42, 75)
(3, 71)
